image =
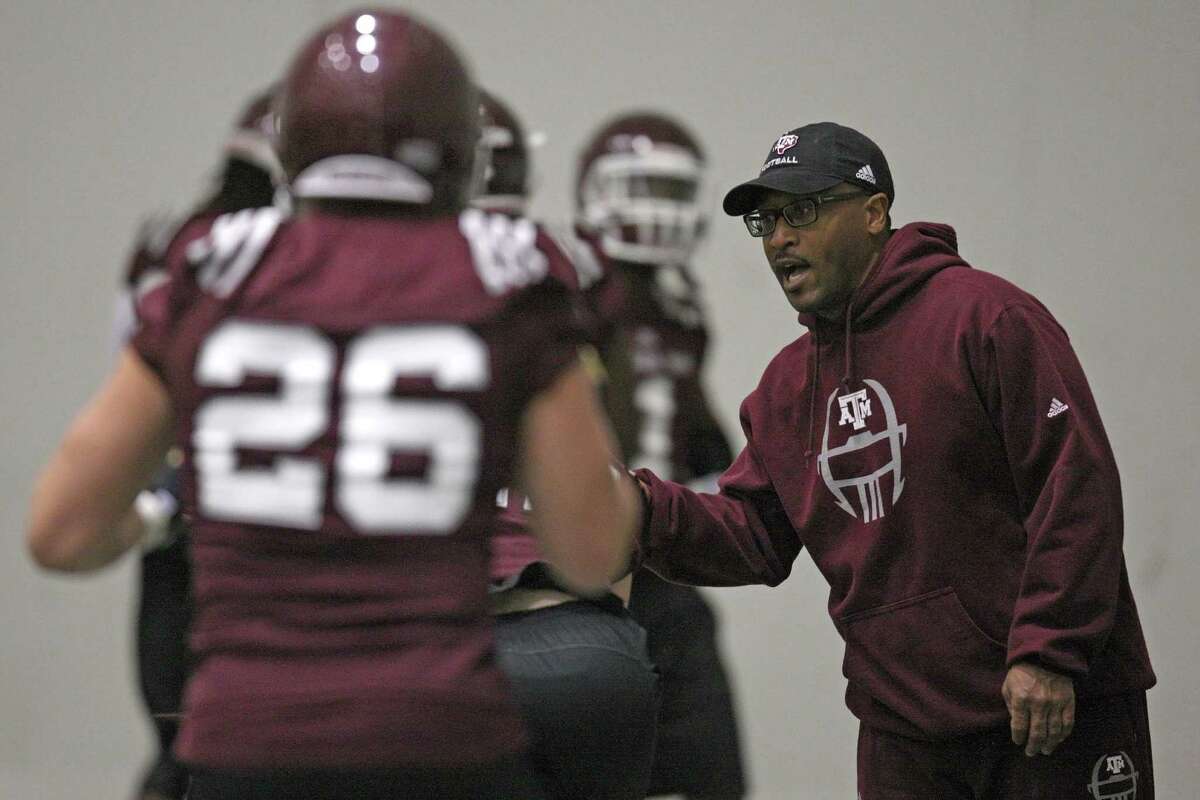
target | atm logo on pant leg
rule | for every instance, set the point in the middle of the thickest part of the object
(1114, 778)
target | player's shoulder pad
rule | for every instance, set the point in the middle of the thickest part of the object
(588, 263)
(231, 248)
(157, 230)
(147, 258)
(511, 253)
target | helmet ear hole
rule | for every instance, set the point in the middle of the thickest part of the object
(638, 188)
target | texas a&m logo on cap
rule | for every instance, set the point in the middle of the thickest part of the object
(785, 143)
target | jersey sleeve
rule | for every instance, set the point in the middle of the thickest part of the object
(144, 269)
(600, 291)
(543, 333)
(543, 325)
(160, 288)
(151, 327)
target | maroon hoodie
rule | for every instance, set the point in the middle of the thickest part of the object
(940, 455)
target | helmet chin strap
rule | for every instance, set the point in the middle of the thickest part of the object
(362, 177)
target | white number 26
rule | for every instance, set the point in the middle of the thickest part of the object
(372, 423)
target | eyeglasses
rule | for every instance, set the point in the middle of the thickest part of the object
(798, 214)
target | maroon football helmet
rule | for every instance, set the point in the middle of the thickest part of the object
(504, 184)
(252, 139)
(638, 188)
(378, 106)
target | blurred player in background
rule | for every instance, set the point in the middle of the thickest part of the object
(351, 388)
(249, 176)
(579, 666)
(639, 194)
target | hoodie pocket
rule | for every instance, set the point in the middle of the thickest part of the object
(926, 660)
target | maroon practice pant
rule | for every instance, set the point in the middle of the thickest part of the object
(1106, 757)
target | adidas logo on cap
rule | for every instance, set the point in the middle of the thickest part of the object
(866, 174)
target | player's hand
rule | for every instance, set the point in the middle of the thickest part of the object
(1041, 707)
(158, 507)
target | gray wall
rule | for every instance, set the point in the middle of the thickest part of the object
(1062, 139)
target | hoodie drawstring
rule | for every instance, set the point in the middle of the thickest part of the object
(911, 256)
(816, 374)
(812, 394)
(848, 343)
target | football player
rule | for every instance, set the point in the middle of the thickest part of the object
(350, 388)
(578, 665)
(248, 178)
(639, 193)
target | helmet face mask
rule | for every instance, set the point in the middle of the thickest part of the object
(640, 188)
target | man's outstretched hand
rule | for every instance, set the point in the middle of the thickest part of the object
(1041, 707)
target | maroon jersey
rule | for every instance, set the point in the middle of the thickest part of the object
(597, 280)
(654, 315)
(146, 268)
(667, 336)
(599, 299)
(347, 392)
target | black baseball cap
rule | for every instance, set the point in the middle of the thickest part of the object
(811, 159)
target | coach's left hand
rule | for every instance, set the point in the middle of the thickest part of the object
(1041, 707)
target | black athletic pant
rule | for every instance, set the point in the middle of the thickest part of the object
(589, 694)
(1107, 756)
(510, 779)
(164, 618)
(698, 752)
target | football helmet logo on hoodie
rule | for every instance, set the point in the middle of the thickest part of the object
(854, 409)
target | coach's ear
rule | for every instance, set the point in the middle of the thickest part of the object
(876, 208)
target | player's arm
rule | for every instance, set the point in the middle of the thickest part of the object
(81, 516)
(706, 449)
(584, 512)
(616, 353)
